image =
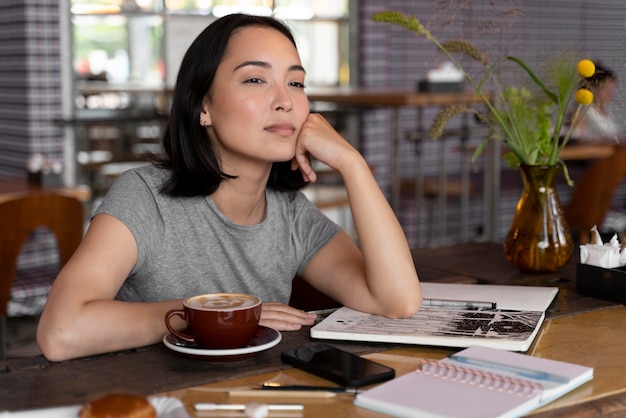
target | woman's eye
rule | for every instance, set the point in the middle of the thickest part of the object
(254, 81)
(297, 84)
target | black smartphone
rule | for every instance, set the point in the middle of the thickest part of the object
(337, 365)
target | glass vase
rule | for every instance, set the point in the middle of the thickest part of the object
(539, 238)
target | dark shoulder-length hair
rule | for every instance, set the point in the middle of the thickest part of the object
(188, 151)
(601, 76)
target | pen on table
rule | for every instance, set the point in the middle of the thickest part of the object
(242, 407)
(298, 394)
(322, 314)
(278, 386)
(293, 391)
(459, 304)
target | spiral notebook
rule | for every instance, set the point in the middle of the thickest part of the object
(478, 382)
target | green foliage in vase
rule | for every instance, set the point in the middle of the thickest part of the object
(530, 118)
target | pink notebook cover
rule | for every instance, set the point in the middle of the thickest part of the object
(510, 385)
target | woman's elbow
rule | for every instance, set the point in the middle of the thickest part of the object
(406, 307)
(55, 344)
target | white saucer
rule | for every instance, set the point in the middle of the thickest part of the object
(264, 339)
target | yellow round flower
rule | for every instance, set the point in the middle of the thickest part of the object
(584, 97)
(586, 68)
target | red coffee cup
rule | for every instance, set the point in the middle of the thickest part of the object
(218, 320)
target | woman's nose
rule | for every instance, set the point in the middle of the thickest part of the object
(282, 100)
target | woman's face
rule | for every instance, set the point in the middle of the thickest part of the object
(257, 103)
(605, 93)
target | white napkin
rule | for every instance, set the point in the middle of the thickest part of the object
(446, 73)
(602, 255)
(168, 407)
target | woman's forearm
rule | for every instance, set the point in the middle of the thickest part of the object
(102, 326)
(389, 267)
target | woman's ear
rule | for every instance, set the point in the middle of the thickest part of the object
(205, 115)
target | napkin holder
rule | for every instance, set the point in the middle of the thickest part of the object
(446, 78)
(45, 180)
(602, 283)
(44, 172)
(425, 86)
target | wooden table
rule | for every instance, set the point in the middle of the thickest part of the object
(591, 151)
(578, 329)
(373, 97)
(13, 187)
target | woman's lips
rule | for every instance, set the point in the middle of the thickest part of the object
(282, 129)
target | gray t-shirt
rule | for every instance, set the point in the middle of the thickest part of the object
(187, 246)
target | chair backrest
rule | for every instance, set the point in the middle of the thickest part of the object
(62, 214)
(593, 193)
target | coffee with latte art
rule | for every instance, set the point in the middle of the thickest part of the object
(222, 301)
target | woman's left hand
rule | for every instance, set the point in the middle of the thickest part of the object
(285, 318)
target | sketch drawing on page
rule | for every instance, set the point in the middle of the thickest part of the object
(499, 323)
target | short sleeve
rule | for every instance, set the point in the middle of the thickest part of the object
(131, 200)
(312, 230)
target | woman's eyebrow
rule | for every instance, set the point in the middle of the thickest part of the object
(297, 68)
(264, 64)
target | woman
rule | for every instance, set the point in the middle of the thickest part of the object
(598, 122)
(218, 211)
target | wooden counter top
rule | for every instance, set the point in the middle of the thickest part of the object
(372, 97)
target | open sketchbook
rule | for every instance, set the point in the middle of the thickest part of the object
(478, 382)
(512, 325)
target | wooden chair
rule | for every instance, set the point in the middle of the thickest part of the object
(306, 297)
(593, 193)
(20, 216)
